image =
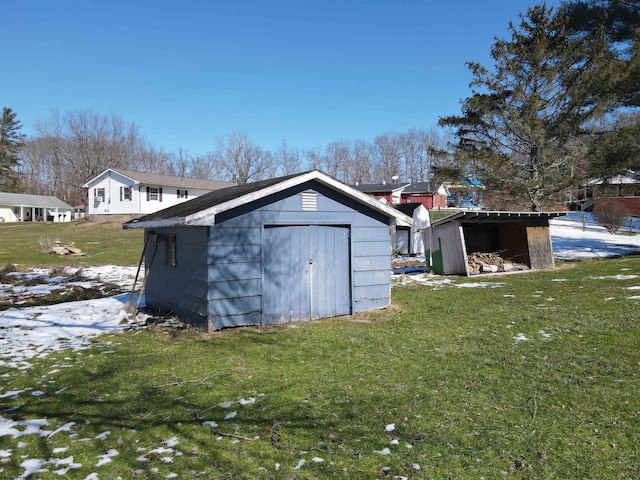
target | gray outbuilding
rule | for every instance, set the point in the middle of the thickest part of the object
(290, 249)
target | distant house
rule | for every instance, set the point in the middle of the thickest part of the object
(421, 192)
(289, 249)
(622, 189)
(389, 191)
(23, 207)
(124, 192)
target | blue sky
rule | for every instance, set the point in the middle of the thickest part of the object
(308, 72)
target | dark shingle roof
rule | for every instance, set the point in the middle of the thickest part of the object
(211, 199)
(227, 198)
(418, 187)
(408, 208)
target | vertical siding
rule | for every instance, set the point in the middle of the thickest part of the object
(540, 249)
(449, 248)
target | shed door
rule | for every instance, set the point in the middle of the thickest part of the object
(306, 273)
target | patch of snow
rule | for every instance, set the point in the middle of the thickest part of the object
(31, 466)
(390, 428)
(520, 338)
(172, 442)
(384, 451)
(614, 277)
(106, 458)
(301, 462)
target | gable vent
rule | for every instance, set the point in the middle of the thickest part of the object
(309, 201)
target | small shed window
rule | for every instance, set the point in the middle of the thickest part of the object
(309, 201)
(170, 242)
(183, 193)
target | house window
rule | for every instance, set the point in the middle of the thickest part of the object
(182, 193)
(125, 193)
(98, 194)
(154, 194)
(171, 250)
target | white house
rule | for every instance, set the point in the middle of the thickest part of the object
(23, 207)
(124, 192)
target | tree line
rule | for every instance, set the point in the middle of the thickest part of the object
(561, 102)
(73, 147)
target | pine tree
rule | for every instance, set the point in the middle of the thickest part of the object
(617, 21)
(11, 140)
(525, 117)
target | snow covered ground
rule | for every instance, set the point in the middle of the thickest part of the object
(34, 332)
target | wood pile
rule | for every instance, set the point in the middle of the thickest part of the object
(68, 249)
(482, 262)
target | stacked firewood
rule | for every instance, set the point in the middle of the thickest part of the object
(488, 262)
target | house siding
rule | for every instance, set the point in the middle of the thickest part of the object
(113, 203)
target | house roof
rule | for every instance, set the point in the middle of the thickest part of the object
(156, 179)
(418, 187)
(33, 201)
(485, 216)
(380, 187)
(466, 184)
(203, 209)
(625, 177)
(408, 208)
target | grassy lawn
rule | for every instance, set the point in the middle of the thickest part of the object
(437, 381)
(103, 244)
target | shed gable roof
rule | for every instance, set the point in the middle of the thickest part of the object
(156, 179)
(494, 216)
(202, 210)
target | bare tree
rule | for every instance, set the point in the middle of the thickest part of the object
(148, 158)
(287, 160)
(241, 161)
(205, 167)
(314, 159)
(84, 144)
(362, 162)
(410, 149)
(180, 163)
(388, 155)
(41, 167)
